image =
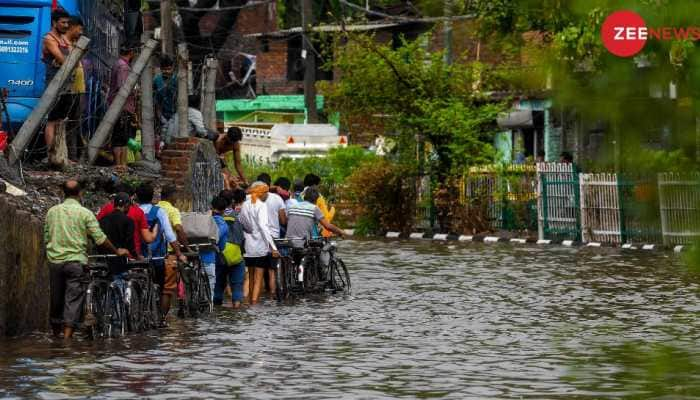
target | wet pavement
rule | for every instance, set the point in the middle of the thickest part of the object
(424, 320)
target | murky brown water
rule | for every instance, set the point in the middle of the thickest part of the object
(424, 320)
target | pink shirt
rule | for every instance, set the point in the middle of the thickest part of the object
(118, 78)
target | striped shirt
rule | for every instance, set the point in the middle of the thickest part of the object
(301, 220)
(67, 231)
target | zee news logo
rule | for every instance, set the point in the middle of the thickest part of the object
(624, 33)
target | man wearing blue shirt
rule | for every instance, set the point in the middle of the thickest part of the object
(218, 207)
(165, 91)
(165, 273)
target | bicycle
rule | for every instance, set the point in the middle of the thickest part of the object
(104, 307)
(198, 298)
(339, 277)
(142, 296)
(289, 274)
(303, 271)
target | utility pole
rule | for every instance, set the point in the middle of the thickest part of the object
(31, 125)
(449, 9)
(115, 109)
(309, 56)
(208, 101)
(148, 136)
(166, 27)
(182, 90)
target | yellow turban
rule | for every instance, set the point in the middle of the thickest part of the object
(257, 190)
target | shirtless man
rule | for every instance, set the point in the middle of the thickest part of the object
(226, 142)
(54, 53)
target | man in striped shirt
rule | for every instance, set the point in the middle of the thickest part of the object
(303, 216)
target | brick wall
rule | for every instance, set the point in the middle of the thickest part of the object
(261, 18)
(272, 70)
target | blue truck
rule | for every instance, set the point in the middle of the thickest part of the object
(23, 24)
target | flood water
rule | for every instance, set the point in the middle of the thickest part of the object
(424, 320)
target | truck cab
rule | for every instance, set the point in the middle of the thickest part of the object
(23, 24)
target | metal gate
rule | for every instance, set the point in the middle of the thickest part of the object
(600, 208)
(558, 201)
(207, 182)
(679, 195)
(425, 218)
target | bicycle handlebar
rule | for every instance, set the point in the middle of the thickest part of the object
(129, 261)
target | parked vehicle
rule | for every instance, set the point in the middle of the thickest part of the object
(269, 145)
(23, 24)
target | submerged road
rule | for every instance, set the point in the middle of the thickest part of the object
(424, 320)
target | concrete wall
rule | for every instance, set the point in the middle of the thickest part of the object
(24, 274)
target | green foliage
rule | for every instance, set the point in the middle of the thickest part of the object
(421, 95)
(647, 161)
(333, 169)
(385, 196)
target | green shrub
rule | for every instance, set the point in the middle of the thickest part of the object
(385, 196)
(333, 169)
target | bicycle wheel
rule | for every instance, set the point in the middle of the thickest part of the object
(115, 321)
(311, 273)
(134, 307)
(280, 286)
(340, 277)
(205, 304)
(93, 310)
(288, 277)
(192, 293)
(152, 315)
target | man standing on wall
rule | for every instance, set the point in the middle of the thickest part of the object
(54, 52)
(75, 31)
(125, 127)
(230, 142)
(67, 231)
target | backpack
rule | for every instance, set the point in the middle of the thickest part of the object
(233, 253)
(157, 248)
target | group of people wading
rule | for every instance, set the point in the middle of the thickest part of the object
(134, 226)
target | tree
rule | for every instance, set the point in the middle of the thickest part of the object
(412, 92)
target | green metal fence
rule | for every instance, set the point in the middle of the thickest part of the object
(559, 202)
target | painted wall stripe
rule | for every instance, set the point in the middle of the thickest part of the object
(465, 238)
(491, 239)
(648, 247)
(568, 243)
(594, 244)
(678, 249)
(440, 236)
(520, 241)
(544, 241)
(417, 235)
(393, 235)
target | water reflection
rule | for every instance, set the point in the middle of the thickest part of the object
(425, 320)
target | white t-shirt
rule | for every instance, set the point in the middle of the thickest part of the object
(274, 204)
(256, 231)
